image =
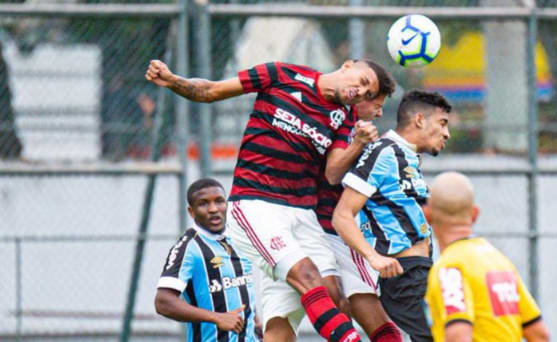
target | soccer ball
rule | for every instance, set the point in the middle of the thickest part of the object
(414, 41)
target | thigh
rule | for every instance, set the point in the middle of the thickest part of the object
(312, 239)
(402, 298)
(262, 231)
(278, 329)
(280, 300)
(356, 274)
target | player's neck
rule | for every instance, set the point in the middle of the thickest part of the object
(456, 233)
(326, 84)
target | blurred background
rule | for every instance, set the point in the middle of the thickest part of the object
(94, 161)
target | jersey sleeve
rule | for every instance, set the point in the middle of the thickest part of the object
(178, 268)
(259, 78)
(370, 170)
(529, 310)
(449, 296)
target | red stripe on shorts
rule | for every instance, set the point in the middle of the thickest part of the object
(366, 277)
(244, 224)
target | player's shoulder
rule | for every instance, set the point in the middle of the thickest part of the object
(185, 240)
(377, 153)
(296, 67)
(466, 252)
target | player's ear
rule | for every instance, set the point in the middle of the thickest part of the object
(419, 120)
(347, 64)
(475, 213)
(190, 210)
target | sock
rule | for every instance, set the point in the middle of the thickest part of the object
(326, 318)
(388, 332)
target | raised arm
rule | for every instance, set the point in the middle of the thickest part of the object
(340, 160)
(169, 304)
(348, 206)
(194, 89)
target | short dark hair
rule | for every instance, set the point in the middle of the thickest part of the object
(419, 100)
(201, 184)
(387, 83)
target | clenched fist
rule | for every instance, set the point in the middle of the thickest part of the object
(158, 73)
(366, 132)
(386, 266)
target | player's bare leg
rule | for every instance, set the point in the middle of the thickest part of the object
(304, 276)
(278, 329)
(326, 318)
(332, 283)
(369, 313)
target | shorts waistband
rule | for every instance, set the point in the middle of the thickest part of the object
(415, 260)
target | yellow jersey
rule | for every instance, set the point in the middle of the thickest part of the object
(473, 282)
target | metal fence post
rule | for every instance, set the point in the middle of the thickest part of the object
(356, 34)
(18, 289)
(182, 112)
(145, 216)
(532, 32)
(203, 49)
(182, 121)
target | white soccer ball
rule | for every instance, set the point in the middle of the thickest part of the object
(414, 41)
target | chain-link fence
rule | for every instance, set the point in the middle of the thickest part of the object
(93, 158)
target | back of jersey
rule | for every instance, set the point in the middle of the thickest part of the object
(475, 283)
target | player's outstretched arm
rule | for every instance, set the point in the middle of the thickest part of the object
(458, 332)
(194, 89)
(348, 206)
(536, 332)
(340, 160)
(169, 304)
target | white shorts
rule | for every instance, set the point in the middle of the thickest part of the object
(356, 275)
(275, 237)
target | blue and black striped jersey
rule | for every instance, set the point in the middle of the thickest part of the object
(388, 173)
(208, 272)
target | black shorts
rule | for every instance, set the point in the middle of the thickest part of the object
(402, 297)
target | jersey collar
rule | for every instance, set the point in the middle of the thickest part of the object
(391, 134)
(207, 233)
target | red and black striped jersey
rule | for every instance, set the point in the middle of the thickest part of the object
(327, 198)
(288, 134)
(328, 195)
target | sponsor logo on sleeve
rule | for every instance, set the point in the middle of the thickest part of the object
(503, 292)
(174, 253)
(452, 291)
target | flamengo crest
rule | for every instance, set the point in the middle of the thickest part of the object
(337, 117)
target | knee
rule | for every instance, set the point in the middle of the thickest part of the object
(279, 329)
(306, 271)
(304, 276)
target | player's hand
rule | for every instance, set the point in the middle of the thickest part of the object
(366, 132)
(386, 266)
(231, 320)
(158, 73)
